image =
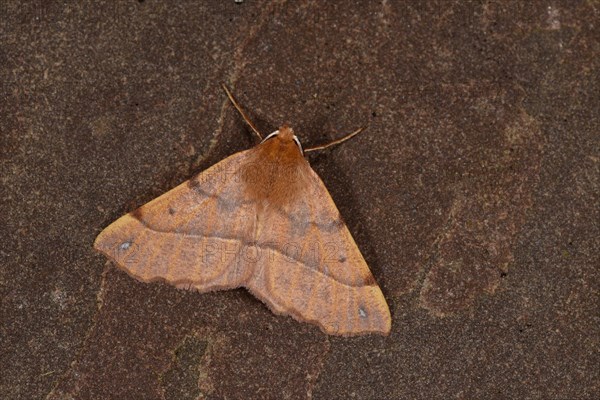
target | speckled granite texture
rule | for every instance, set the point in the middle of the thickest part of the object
(474, 194)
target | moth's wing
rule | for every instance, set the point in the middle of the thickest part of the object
(190, 236)
(312, 269)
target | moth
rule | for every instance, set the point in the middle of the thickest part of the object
(260, 219)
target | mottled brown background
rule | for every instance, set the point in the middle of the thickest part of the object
(474, 194)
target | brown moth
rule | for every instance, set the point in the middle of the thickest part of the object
(260, 219)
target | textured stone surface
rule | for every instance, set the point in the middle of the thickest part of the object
(474, 194)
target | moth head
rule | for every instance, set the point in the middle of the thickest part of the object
(285, 136)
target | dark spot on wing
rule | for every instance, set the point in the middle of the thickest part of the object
(171, 211)
(225, 204)
(303, 219)
(370, 281)
(193, 183)
(197, 188)
(138, 213)
(300, 220)
(332, 226)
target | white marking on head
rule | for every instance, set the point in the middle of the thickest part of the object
(271, 135)
(299, 144)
